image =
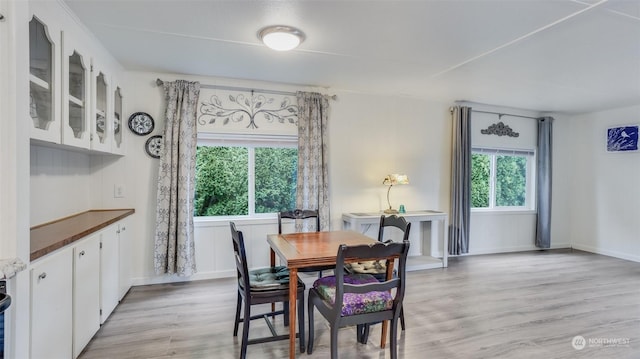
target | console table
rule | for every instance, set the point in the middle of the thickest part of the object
(425, 251)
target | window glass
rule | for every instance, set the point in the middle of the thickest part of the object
(245, 179)
(501, 179)
(222, 177)
(480, 180)
(275, 174)
(511, 181)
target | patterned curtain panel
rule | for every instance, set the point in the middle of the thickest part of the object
(174, 250)
(543, 182)
(460, 181)
(313, 175)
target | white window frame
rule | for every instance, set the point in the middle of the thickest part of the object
(251, 142)
(492, 152)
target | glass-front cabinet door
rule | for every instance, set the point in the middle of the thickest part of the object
(118, 133)
(76, 89)
(101, 128)
(44, 79)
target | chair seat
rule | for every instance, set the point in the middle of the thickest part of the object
(371, 267)
(354, 303)
(270, 278)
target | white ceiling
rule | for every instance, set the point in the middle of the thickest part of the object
(556, 55)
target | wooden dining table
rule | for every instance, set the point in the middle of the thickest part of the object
(310, 249)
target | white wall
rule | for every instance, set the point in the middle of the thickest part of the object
(509, 231)
(60, 183)
(604, 197)
(595, 207)
(370, 136)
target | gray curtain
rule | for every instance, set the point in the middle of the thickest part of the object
(312, 191)
(174, 250)
(460, 181)
(543, 182)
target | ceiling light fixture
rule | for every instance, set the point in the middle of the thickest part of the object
(281, 38)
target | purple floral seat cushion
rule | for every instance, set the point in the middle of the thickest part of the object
(353, 303)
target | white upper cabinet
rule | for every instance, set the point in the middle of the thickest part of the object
(76, 87)
(117, 146)
(101, 93)
(44, 78)
(73, 100)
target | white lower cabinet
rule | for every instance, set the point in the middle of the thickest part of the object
(86, 292)
(51, 306)
(74, 290)
(125, 247)
(109, 273)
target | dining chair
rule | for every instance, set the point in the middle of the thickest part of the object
(379, 268)
(263, 286)
(302, 214)
(356, 299)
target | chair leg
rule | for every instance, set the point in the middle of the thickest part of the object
(394, 339)
(334, 341)
(365, 333)
(301, 335)
(235, 325)
(402, 318)
(311, 326)
(285, 309)
(359, 329)
(245, 330)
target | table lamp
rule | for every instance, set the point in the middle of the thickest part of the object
(391, 180)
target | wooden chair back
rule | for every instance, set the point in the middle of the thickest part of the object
(299, 214)
(377, 251)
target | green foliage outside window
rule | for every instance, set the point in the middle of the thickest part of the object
(510, 180)
(276, 179)
(222, 180)
(480, 176)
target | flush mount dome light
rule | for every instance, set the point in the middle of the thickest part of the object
(281, 38)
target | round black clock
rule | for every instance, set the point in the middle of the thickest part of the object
(141, 123)
(153, 146)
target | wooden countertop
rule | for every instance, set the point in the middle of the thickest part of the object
(48, 237)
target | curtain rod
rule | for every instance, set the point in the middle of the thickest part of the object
(246, 89)
(503, 114)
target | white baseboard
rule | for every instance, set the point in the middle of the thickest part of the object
(605, 252)
(514, 249)
(176, 279)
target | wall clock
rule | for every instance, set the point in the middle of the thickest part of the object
(141, 123)
(153, 146)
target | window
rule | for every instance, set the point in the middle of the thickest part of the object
(502, 179)
(245, 175)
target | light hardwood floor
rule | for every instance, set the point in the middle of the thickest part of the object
(518, 305)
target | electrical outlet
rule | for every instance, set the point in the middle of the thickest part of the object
(118, 191)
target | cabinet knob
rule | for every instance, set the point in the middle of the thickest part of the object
(81, 253)
(1, 17)
(42, 275)
(124, 228)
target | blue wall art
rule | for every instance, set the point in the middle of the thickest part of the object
(622, 139)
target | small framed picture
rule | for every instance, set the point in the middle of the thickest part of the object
(622, 138)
